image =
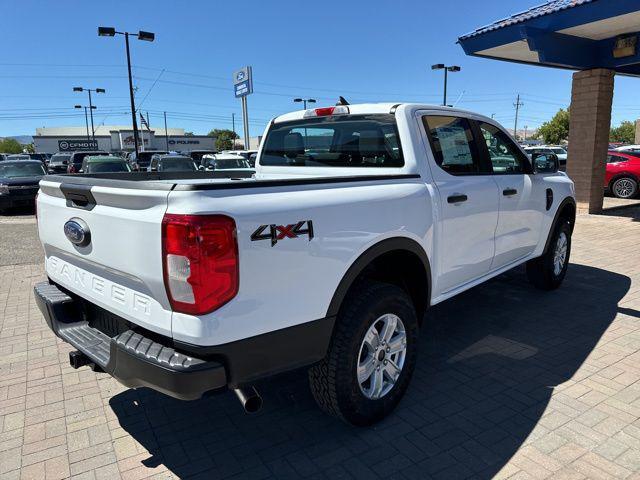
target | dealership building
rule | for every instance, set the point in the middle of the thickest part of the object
(116, 138)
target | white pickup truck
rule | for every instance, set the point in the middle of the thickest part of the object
(358, 218)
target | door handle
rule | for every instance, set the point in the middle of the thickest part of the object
(457, 198)
(507, 192)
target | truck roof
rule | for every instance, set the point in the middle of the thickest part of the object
(378, 108)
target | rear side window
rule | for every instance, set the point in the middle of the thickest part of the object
(335, 141)
(453, 145)
(616, 159)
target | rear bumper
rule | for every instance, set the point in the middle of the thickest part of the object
(133, 359)
(138, 358)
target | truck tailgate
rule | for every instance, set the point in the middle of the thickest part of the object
(120, 269)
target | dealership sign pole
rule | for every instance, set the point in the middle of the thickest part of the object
(243, 86)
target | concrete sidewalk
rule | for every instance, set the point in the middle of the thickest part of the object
(511, 382)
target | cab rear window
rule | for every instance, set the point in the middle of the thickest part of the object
(334, 141)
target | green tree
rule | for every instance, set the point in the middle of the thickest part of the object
(625, 132)
(9, 145)
(224, 138)
(555, 130)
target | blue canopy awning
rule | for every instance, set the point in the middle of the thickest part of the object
(573, 34)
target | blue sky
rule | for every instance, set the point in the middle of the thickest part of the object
(363, 50)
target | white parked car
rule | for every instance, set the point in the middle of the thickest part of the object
(225, 161)
(358, 219)
(628, 148)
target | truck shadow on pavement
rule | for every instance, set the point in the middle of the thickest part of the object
(488, 363)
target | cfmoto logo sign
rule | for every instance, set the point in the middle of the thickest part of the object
(64, 145)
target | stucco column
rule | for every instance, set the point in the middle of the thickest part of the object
(589, 124)
(637, 135)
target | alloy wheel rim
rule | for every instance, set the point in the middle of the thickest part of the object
(381, 357)
(624, 188)
(560, 254)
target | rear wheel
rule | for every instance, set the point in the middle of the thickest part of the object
(371, 357)
(624, 187)
(548, 271)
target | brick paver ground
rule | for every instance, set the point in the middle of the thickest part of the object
(512, 382)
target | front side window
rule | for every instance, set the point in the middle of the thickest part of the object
(334, 141)
(453, 145)
(505, 156)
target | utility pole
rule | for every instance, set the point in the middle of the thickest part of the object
(166, 135)
(233, 123)
(518, 104)
(525, 133)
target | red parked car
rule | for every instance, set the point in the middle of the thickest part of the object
(623, 174)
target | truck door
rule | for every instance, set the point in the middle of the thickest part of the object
(522, 198)
(468, 198)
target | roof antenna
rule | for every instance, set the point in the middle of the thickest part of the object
(342, 101)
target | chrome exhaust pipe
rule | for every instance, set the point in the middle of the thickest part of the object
(249, 398)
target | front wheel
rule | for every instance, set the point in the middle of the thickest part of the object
(547, 272)
(624, 187)
(371, 357)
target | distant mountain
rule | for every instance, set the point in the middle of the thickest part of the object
(24, 139)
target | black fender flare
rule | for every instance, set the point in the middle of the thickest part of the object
(556, 219)
(368, 256)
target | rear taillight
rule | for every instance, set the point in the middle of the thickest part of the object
(200, 260)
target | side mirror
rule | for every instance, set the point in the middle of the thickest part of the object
(545, 162)
(201, 168)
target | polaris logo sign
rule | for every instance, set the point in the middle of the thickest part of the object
(71, 145)
(184, 142)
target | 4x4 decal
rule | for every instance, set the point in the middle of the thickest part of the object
(276, 233)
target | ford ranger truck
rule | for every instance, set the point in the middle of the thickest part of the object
(357, 219)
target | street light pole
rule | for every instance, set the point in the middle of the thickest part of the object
(133, 104)
(93, 130)
(447, 69)
(86, 119)
(91, 107)
(304, 101)
(147, 36)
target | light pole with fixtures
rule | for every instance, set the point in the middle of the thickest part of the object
(304, 101)
(451, 68)
(86, 119)
(91, 107)
(146, 36)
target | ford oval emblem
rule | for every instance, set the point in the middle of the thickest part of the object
(77, 231)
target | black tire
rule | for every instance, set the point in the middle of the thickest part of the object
(624, 187)
(541, 271)
(334, 381)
